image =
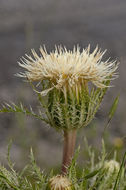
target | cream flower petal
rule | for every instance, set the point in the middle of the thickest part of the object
(64, 67)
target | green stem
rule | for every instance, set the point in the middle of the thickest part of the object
(68, 149)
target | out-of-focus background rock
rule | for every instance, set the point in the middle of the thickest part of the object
(26, 24)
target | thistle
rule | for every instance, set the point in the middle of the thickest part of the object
(68, 99)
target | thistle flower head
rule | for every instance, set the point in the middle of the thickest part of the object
(60, 182)
(63, 67)
(64, 77)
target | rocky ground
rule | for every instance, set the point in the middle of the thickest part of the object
(26, 24)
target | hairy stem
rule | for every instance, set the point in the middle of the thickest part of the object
(68, 149)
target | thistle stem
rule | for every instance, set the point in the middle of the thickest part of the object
(68, 149)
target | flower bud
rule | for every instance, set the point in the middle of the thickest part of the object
(118, 142)
(60, 182)
(112, 166)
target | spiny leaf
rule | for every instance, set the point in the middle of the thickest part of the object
(13, 108)
(10, 164)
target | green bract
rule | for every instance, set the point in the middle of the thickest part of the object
(73, 109)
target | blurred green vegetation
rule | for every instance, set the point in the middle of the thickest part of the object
(94, 174)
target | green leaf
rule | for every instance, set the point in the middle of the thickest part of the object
(119, 173)
(92, 174)
(113, 107)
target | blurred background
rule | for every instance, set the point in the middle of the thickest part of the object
(27, 24)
